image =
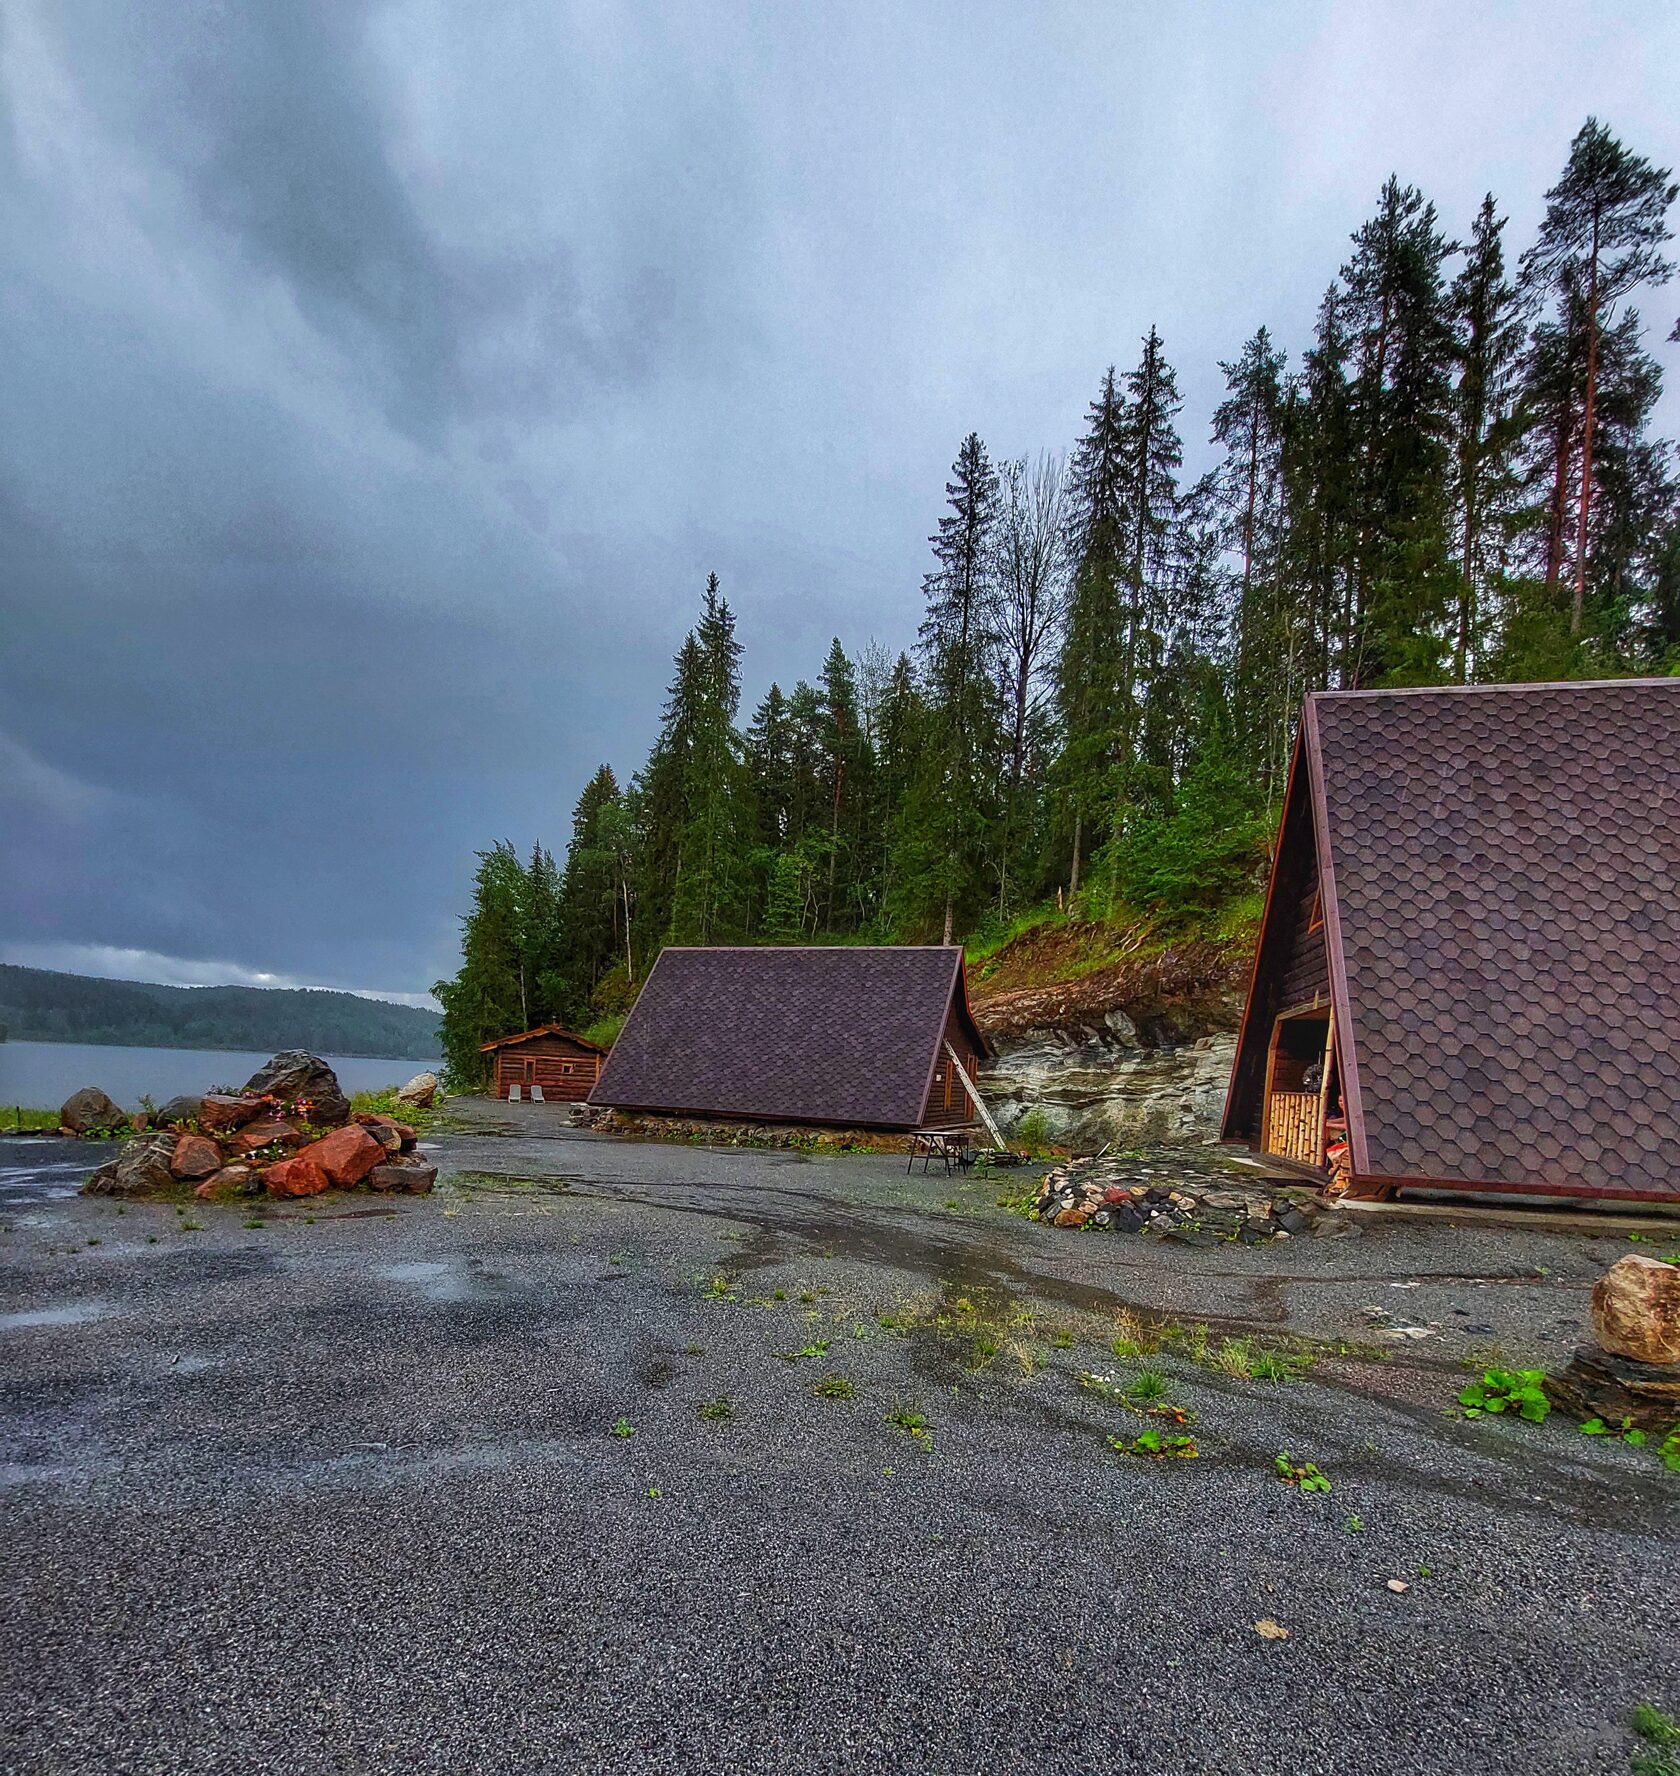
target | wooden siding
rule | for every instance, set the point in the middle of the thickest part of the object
(566, 1071)
(1306, 972)
(949, 1105)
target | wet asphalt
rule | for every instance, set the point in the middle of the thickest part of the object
(345, 1491)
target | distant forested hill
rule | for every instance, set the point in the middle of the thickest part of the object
(37, 1005)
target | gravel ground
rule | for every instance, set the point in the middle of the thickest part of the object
(341, 1492)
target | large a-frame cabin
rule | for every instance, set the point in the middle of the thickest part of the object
(1468, 971)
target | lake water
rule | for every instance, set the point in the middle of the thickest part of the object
(41, 1075)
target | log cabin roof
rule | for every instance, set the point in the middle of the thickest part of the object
(848, 1034)
(542, 1030)
(1500, 877)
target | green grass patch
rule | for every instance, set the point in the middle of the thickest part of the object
(20, 1119)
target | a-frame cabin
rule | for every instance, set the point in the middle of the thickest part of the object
(1468, 970)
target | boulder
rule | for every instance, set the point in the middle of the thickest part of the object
(185, 1108)
(1636, 1310)
(220, 1114)
(231, 1180)
(195, 1157)
(386, 1130)
(344, 1157)
(91, 1109)
(264, 1133)
(1597, 1384)
(421, 1091)
(302, 1081)
(414, 1176)
(139, 1169)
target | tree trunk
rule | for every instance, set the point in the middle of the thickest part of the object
(1078, 835)
(1587, 415)
(950, 921)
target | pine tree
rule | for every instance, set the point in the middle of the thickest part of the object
(485, 999)
(846, 765)
(1489, 333)
(1605, 226)
(592, 901)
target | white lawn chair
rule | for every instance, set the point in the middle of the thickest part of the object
(536, 1095)
(513, 1094)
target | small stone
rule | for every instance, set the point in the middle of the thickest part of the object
(1398, 1586)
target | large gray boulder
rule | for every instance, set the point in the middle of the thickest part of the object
(421, 1091)
(141, 1168)
(298, 1078)
(91, 1109)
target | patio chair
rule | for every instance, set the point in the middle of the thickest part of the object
(513, 1094)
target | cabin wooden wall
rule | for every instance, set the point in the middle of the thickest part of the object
(566, 1071)
(949, 1105)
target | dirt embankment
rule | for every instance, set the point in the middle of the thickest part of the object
(1069, 975)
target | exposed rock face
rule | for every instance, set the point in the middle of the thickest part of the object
(1597, 1384)
(296, 1077)
(195, 1157)
(421, 1091)
(1636, 1310)
(344, 1157)
(413, 1175)
(91, 1109)
(219, 1114)
(141, 1167)
(1109, 1088)
(1199, 1200)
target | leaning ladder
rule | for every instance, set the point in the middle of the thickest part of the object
(974, 1098)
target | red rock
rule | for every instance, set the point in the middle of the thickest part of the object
(218, 1113)
(347, 1155)
(1114, 1194)
(195, 1157)
(233, 1180)
(294, 1177)
(262, 1133)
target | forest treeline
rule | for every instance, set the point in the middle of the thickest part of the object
(42, 1005)
(1455, 481)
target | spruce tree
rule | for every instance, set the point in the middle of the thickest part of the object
(1605, 227)
(592, 888)
(485, 999)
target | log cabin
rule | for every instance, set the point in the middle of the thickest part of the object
(563, 1064)
(1468, 970)
(850, 1036)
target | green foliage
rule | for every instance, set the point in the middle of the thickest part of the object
(1159, 1445)
(834, 1387)
(1522, 1391)
(717, 1411)
(1659, 1754)
(15, 1117)
(1305, 1475)
(623, 1428)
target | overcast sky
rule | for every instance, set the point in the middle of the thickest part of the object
(381, 382)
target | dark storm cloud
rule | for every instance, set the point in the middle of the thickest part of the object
(380, 382)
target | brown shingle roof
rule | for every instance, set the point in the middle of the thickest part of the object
(541, 1030)
(1502, 876)
(846, 1035)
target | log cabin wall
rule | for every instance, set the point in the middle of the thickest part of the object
(949, 1105)
(566, 1071)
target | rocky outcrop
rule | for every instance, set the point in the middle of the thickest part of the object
(1109, 1086)
(1618, 1390)
(1197, 1203)
(302, 1083)
(421, 1091)
(1636, 1310)
(89, 1111)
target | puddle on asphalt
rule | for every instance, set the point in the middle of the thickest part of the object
(75, 1313)
(449, 1280)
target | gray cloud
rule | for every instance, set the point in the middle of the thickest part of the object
(381, 382)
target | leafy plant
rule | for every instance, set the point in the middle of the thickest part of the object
(1306, 1475)
(719, 1289)
(818, 1348)
(1277, 1365)
(913, 1422)
(1626, 1430)
(1669, 1453)
(834, 1387)
(1159, 1445)
(1147, 1385)
(1659, 1755)
(623, 1428)
(1522, 1391)
(718, 1410)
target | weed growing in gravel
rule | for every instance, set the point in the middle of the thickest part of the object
(1659, 1754)
(1277, 1365)
(834, 1387)
(1157, 1444)
(912, 1421)
(1522, 1391)
(694, 1350)
(1669, 1453)
(192, 1226)
(1625, 1430)
(718, 1289)
(1147, 1386)
(1063, 1339)
(1305, 1475)
(623, 1428)
(1354, 1524)
(1235, 1357)
(717, 1411)
(255, 1221)
(817, 1348)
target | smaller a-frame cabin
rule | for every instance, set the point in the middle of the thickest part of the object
(1468, 970)
(854, 1036)
(562, 1066)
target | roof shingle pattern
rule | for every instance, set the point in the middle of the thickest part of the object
(1507, 875)
(842, 1035)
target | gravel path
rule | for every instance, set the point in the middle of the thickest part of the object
(341, 1492)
